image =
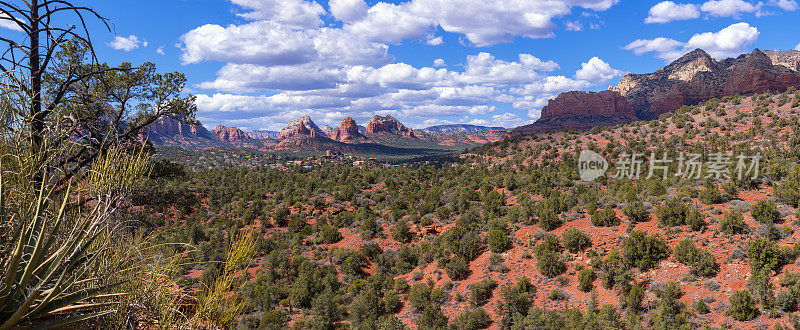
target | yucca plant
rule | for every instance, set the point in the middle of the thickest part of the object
(44, 275)
(48, 268)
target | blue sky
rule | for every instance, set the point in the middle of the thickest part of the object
(257, 64)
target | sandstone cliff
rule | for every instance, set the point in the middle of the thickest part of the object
(694, 78)
(301, 127)
(168, 128)
(230, 133)
(388, 124)
(347, 131)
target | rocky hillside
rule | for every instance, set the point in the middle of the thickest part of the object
(170, 132)
(388, 124)
(384, 136)
(302, 126)
(693, 78)
(230, 133)
(348, 131)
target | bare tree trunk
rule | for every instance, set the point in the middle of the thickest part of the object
(37, 120)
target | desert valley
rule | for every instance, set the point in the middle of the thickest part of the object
(495, 193)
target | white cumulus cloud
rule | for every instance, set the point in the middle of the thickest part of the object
(126, 44)
(597, 71)
(730, 41)
(500, 21)
(729, 8)
(295, 13)
(668, 11)
(270, 44)
(348, 10)
(437, 63)
(438, 41)
(5, 22)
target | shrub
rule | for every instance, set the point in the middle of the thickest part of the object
(643, 251)
(330, 235)
(548, 257)
(392, 302)
(370, 228)
(471, 320)
(605, 218)
(457, 268)
(686, 252)
(498, 241)
(482, 291)
(515, 301)
(765, 211)
(575, 240)
(789, 190)
(733, 223)
(670, 310)
(586, 279)
(548, 220)
(636, 211)
(282, 216)
(558, 294)
(743, 307)
(710, 195)
(672, 213)
(786, 301)
(695, 220)
(701, 307)
(764, 254)
(401, 232)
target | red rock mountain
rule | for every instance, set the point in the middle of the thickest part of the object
(388, 124)
(168, 128)
(347, 131)
(230, 133)
(584, 110)
(695, 77)
(301, 127)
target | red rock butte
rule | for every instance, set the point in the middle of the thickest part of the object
(693, 78)
(388, 124)
(347, 131)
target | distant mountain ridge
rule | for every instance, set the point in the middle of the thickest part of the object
(448, 128)
(383, 134)
(693, 78)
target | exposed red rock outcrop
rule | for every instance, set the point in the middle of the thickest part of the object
(694, 78)
(388, 124)
(230, 133)
(303, 127)
(582, 110)
(168, 128)
(347, 131)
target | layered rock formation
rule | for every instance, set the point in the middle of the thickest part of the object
(694, 78)
(347, 131)
(230, 133)
(168, 128)
(583, 110)
(301, 127)
(328, 130)
(388, 124)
